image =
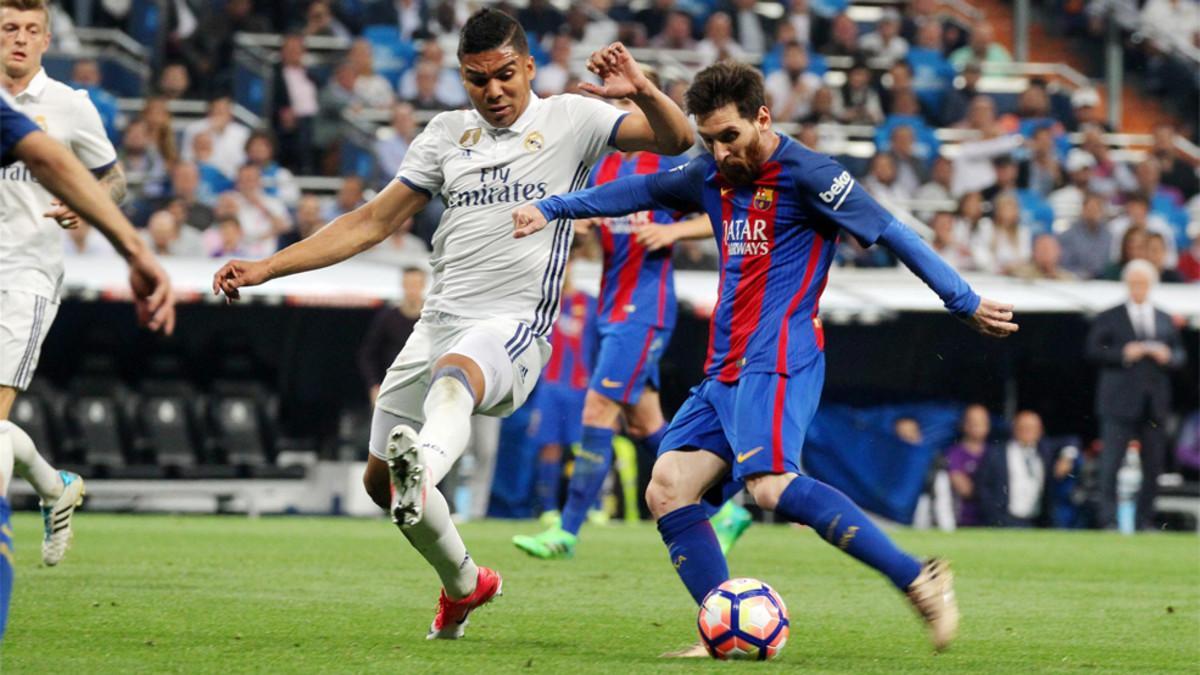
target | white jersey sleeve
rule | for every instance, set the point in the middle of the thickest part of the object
(421, 169)
(595, 123)
(89, 141)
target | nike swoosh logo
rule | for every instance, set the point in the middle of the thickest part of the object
(607, 383)
(743, 456)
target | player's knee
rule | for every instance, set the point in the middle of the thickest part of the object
(766, 488)
(599, 411)
(551, 453)
(663, 495)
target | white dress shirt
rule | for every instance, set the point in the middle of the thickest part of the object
(1026, 476)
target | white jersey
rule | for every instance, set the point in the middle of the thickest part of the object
(482, 173)
(31, 250)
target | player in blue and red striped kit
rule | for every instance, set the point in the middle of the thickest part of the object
(777, 209)
(558, 400)
(636, 317)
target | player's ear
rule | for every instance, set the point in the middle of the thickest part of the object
(764, 118)
(530, 66)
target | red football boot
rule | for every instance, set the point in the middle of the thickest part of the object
(451, 619)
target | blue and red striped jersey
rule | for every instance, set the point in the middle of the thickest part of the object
(572, 339)
(637, 285)
(777, 237)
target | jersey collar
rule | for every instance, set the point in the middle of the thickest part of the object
(36, 86)
(521, 122)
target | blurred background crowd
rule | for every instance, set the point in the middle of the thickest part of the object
(1012, 175)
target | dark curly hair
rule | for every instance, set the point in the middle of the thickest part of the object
(490, 29)
(723, 83)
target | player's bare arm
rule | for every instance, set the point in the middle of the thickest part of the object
(659, 125)
(342, 238)
(112, 180)
(654, 236)
(63, 175)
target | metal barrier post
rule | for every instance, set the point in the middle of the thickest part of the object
(1021, 30)
(1114, 71)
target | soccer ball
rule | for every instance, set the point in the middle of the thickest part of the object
(743, 619)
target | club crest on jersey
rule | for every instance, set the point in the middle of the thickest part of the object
(40, 120)
(534, 141)
(764, 199)
(470, 137)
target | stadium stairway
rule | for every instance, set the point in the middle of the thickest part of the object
(1139, 113)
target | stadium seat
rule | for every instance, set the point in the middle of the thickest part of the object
(98, 433)
(390, 54)
(34, 413)
(242, 418)
(353, 435)
(166, 426)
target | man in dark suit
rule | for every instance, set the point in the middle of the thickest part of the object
(1136, 346)
(1016, 481)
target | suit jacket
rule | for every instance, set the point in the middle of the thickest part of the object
(991, 486)
(1137, 390)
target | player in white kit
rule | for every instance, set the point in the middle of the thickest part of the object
(31, 255)
(481, 341)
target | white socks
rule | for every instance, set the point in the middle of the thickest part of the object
(44, 479)
(448, 408)
(6, 459)
(436, 538)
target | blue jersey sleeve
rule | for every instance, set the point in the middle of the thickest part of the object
(677, 189)
(955, 292)
(14, 126)
(829, 190)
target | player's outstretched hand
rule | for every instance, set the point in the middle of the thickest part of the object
(993, 318)
(236, 274)
(527, 220)
(621, 74)
(654, 237)
(64, 216)
(153, 297)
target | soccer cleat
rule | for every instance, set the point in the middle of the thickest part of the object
(729, 524)
(56, 519)
(598, 517)
(694, 651)
(406, 467)
(451, 620)
(553, 544)
(550, 518)
(932, 594)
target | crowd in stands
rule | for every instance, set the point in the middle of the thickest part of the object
(1012, 474)
(1018, 197)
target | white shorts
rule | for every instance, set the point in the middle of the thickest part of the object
(25, 319)
(509, 354)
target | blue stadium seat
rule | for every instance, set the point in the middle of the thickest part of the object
(392, 55)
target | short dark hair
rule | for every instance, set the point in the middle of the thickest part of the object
(723, 83)
(490, 29)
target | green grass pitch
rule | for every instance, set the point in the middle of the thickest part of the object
(320, 595)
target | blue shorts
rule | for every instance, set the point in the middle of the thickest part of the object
(757, 424)
(627, 361)
(559, 411)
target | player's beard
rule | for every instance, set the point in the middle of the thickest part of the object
(743, 171)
